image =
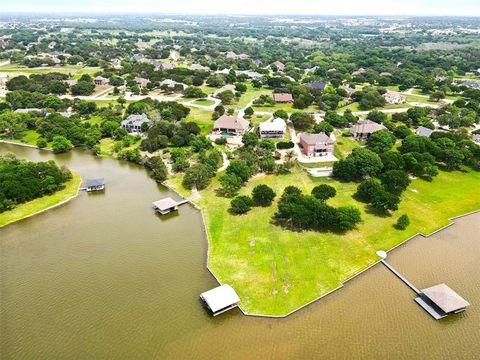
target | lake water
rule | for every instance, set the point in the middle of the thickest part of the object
(103, 277)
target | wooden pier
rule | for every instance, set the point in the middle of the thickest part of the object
(439, 300)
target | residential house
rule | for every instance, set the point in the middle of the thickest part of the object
(471, 84)
(386, 73)
(364, 128)
(258, 62)
(199, 67)
(231, 55)
(171, 84)
(70, 82)
(100, 80)
(230, 87)
(160, 66)
(476, 138)
(52, 44)
(316, 144)
(142, 82)
(117, 63)
(280, 66)
(317, 85)
(394, 97)
(254, 75)
(231, 125)
(272, 129)
(133, 123)
(423, 131)
(283, 98)
(359, 72)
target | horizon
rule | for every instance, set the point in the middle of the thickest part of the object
(350, 8)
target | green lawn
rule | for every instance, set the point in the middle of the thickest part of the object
(275, 271)
(203, 118)
(28, 137)
(40, 204)
(204, 102)
(251, 94)
(345, 145)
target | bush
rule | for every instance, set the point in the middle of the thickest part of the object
(263, 195)
(221, 141)
(61, 144)
(367, 189)
(241, 205)
(285, 145)
(157, 167)
(402, 222)
(324, 192)
(41, 143)
(348, 217)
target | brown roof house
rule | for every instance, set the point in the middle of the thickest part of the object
(316, 144)
(231, 125)
(280, 66)
(142, 82)
(364, 128)
(100, 80)
(283, 98)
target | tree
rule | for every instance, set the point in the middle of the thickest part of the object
(348, 217)
(367, 189)
(267, 164)
(249, 111)
(241, 204)
(61, 144)
(41, 143)
(156, 165)
(377, 116)
(402, 222)
(357, 165)
(384, 201)
(226, 97)
(381, 141)
(437, 95)
(281, 114)
(240, 169)
(324, 127)
(198, 175)
(302, 121)
(231, 184)
(194, 92)
(324, 192)
(82, 88)
(335, 119)
(263, 195)
(250, 139)
(395, 181)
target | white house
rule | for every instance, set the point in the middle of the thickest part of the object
(272, 129)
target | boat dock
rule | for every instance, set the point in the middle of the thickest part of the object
(167, 205)
(439, 300)
(401, 277)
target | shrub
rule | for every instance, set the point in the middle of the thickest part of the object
(285, 145)
(324, 192)
(41, 143)
(241, 205)
(263, 195)
(402, 222)
(221, 141)
(348, 217)
(61, 144)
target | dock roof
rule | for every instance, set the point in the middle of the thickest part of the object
(445, 298)
(94, 182)
(165, 204)
(220, 297)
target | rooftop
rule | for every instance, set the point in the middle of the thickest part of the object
(231, 122)
(94, 182)
(277, 124)
(445, 298)
(165, 204)
(220, 297)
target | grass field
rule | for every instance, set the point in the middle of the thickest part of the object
(204, 102)
(40, 204)
(29, 137)
(275, 271)
(203, 118)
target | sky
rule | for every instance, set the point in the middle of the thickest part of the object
(251, 7)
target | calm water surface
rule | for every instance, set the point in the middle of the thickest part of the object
(102, 277)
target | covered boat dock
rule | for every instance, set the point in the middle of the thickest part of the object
(439, 300)
(94, 185)
(167, 205)
(220, 299)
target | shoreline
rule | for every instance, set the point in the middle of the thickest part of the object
(343, 283)
(23, 144)
(207, 237)
(75, 177)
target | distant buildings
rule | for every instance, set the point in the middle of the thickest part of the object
(364, 128)
(316, 144)
(316, 85)
(231, 125)
(228, 87)
(359, 72)
(142, 82)
(232, 56)
(272, 129)
(423, 131)
(283, 98)
(394, 97)
(471, 84)
(280, 66)
(133, 123)
(100, 80)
